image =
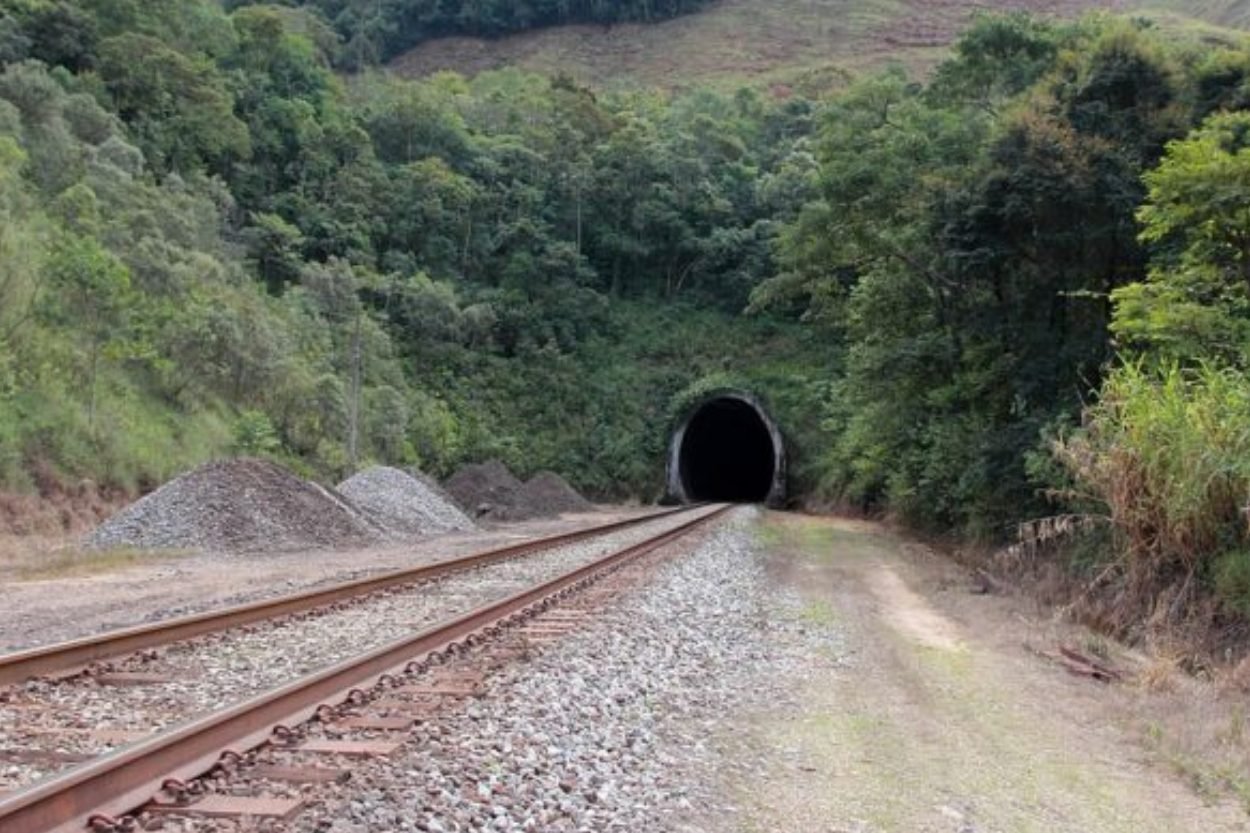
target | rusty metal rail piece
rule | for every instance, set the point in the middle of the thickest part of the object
(48, 659)
(125, 780)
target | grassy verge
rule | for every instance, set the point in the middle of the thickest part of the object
(23, 558)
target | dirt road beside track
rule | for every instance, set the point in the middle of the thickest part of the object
(937, 716)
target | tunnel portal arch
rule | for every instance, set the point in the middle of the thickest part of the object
(727, 448)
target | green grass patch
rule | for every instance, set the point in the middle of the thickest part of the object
(819, 613)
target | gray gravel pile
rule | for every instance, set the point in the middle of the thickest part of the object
(551, 494)
(435, 487)
(489, 490)
(617, 728)
(403, 503)
(239, 505)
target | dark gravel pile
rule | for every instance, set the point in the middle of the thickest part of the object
(550, 494)
(403, 503)
(242, 505)
(489, 490)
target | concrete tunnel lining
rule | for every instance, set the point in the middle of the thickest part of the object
(727, 449)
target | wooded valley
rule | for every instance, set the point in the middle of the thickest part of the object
(1018, 288)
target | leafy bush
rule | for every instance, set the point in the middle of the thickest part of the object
(1232, 580)
(254, 434)
(1166, 453)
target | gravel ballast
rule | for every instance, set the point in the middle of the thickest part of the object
(615, 728)
(403, 503)
(489, 490)
(243, 505)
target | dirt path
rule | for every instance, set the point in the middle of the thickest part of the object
(934, 717)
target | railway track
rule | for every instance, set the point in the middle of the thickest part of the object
(49, 725)
(75, 655)
(92, 793)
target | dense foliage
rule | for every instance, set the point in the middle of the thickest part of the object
(1039, 264)
(210, 242)
(967, 239)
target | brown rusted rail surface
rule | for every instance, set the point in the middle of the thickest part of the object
(127, 779)
(49, 659)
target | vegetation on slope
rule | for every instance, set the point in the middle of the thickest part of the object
(1024, 278)
(1039, 265)
(802, 44)
(212, 243)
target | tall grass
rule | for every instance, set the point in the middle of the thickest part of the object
(1167, 452)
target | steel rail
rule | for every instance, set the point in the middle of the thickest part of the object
(19, 666)
(125, 780)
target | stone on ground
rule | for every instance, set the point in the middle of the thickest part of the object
(403, 503)
(242, 505)
(489, 490)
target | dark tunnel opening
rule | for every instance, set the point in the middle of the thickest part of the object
(727, 454)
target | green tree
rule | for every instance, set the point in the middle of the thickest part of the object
(178, 107)
(93, 298)
(274, 250)
(1196, 217)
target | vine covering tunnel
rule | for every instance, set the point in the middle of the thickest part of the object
(727, 449)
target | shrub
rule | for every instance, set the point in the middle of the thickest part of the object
(1167, 453)
(1232, 580)
(254, 434)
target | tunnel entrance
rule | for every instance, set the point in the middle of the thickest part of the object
(727, 451)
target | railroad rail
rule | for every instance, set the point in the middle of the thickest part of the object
(66, 657)
(96, 793)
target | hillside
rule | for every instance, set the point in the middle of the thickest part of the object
(781, 41)
(1218, 12)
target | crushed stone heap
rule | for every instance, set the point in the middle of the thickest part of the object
(489, 490)
(404, 503)
(241, 505)
(551, 494)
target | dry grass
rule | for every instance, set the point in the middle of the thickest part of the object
(40, 533)
(1235, 13)
(1161, 673)
(782, 43)
(1198, 730)
(42, 558)
(1188, 708)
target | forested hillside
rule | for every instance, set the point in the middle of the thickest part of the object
(211, 243)
(1016, 288)
(1039, 262)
